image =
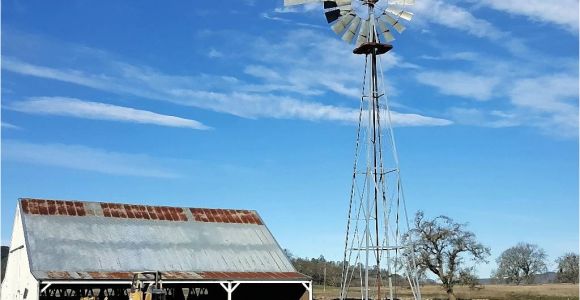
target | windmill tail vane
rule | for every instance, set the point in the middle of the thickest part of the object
(378, 257)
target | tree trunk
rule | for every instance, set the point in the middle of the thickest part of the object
(450, 294)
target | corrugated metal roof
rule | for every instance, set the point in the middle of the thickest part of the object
(91, 240)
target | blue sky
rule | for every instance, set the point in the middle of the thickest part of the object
(246, 104)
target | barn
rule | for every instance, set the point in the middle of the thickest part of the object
(76, 249)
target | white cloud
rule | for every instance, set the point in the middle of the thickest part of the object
(72, 76)
(546, 102)
(494, 76)
(456, 56)
(479, 117)
(561, 12)
(84, 158)
(287, 9)
(280, 107)
(308, 60)
(295, 66)
(307, 7)
(400, 119)
(262, 72)
(271, 17)
(182, 91)
(460, 84)
(461, 19)
(553, 101)
(542, 93)
(551, 93)
(72, 107)
(9, 126)
(455, 17)
(213, 53)
(112, 83)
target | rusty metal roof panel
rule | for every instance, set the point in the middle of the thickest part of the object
(143, 212)
(79, 240)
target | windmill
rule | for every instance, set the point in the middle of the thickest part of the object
(375, 253)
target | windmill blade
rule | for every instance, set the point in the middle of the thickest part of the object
(343, 2)
(298, 2)
(402, 2)
(333, 5)
(363, 33)
(332, 11)
(339, 26)
(329, 5)
(406, 15)
(400, 13)
(345, 9)
(385, 30)
(351, 31)
(398, 26)
(338, 4)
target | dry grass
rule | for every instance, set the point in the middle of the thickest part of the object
(536, 292)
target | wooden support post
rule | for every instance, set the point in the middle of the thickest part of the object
(308, 287)
(229, 288)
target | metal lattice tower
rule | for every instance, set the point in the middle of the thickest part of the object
(373, 259)
(373, 244)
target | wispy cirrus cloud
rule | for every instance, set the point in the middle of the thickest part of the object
(307, 7)
(242, 104)
(213, 53)
(84, 158)
(461, 84)
(72, 107)
(516, 88)
(551, 99)
(9, 126)
(453, 56)
(547, 102)
(480, 117)
(455, 17)
(452, 15)
(276, 91)
(273, 17)
(289, 108)
(311, 61)
(562, 12)
(481, 78)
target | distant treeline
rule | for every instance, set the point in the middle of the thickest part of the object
(328, 272)
(316, 267)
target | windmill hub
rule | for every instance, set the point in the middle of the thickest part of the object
(372, 47)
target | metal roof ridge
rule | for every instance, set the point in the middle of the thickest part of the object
(91, 201)
(81, 208)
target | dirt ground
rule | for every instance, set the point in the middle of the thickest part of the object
(495, 292)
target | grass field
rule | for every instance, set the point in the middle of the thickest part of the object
(495, 292)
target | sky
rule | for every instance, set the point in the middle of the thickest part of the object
(247, 104)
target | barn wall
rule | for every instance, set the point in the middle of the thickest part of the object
(18, 284)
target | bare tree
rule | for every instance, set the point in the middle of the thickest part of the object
(567, 268)
(443, 246)
(520, 263)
